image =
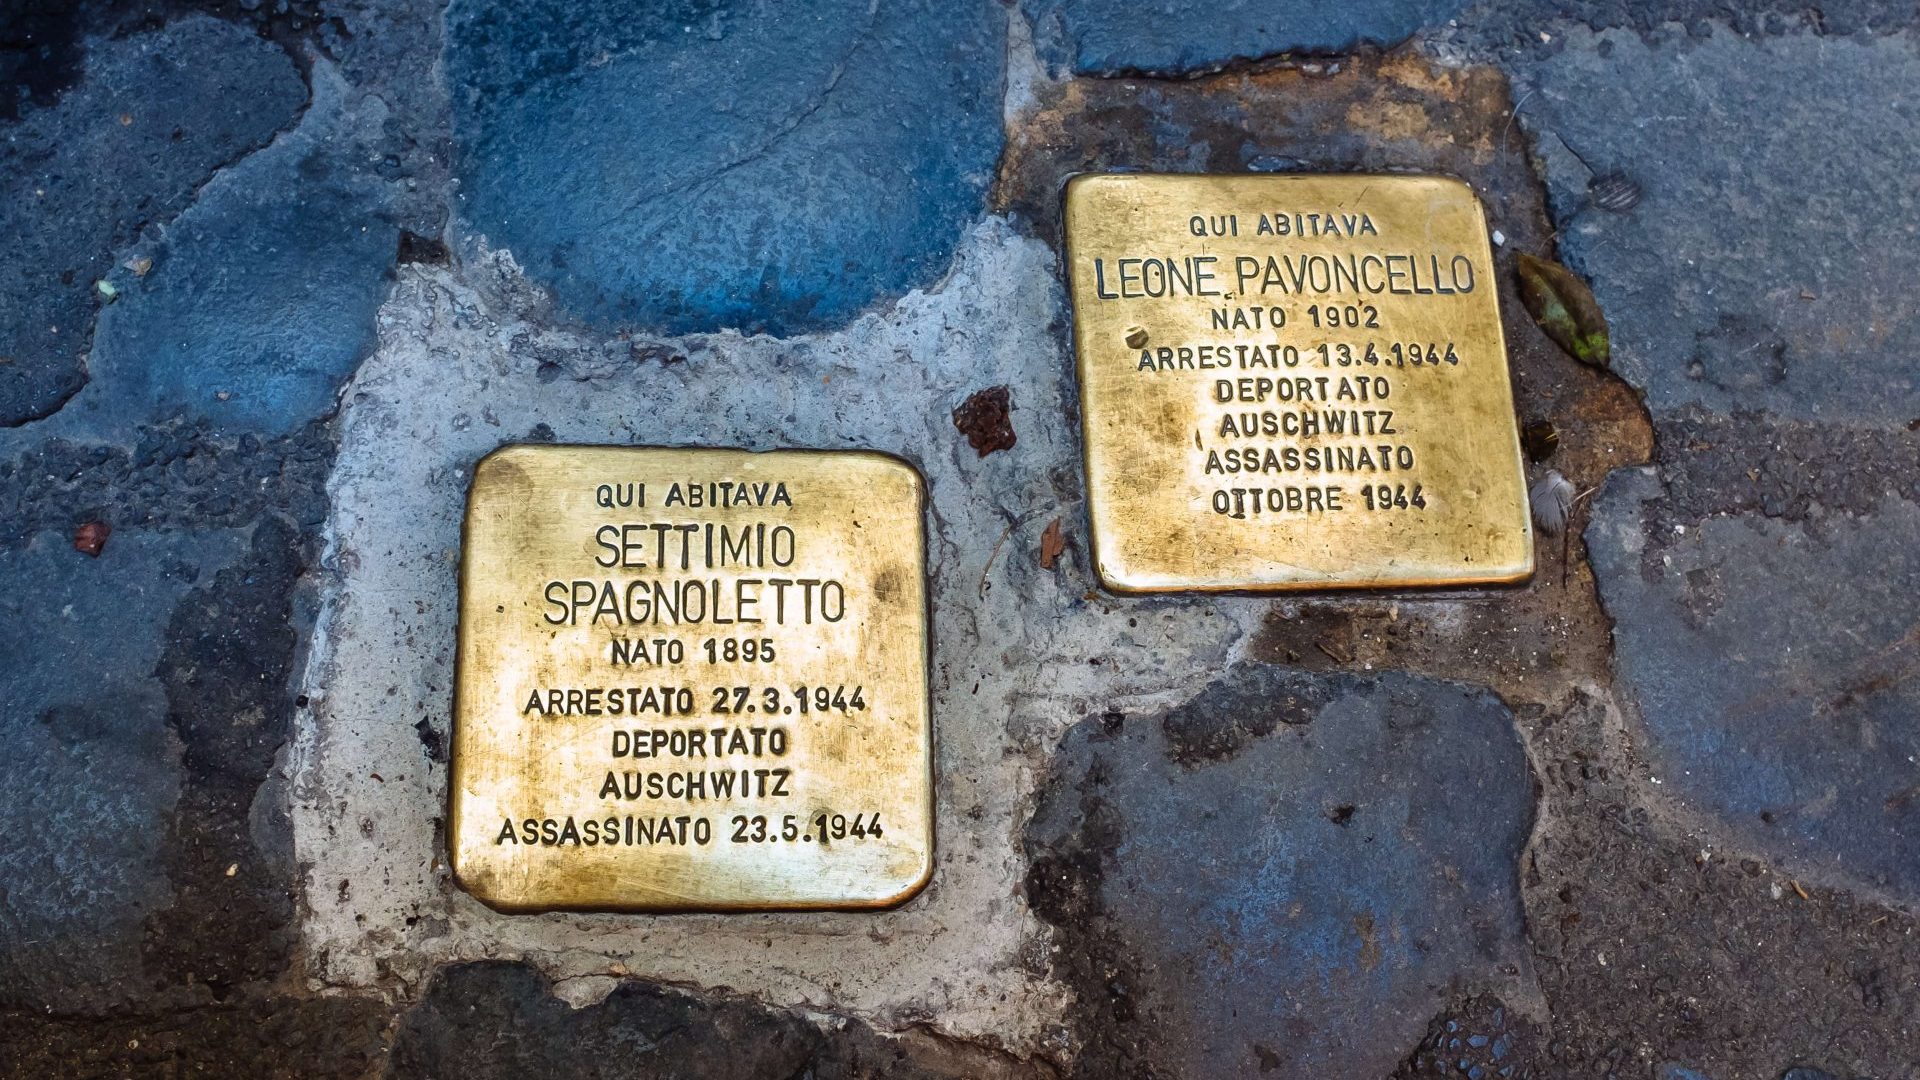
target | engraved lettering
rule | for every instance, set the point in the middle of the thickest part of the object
(669, 649)
(1352, 374)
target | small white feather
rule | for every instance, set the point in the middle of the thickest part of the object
(1552, 500)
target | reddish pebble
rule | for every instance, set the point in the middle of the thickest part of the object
(91, 537)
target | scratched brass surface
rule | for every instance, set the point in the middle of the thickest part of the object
(564, 555)
(1433, 494)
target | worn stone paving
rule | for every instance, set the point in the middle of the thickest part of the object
(667, 170)
(85, 175)
(281, 271)
(1356, 843)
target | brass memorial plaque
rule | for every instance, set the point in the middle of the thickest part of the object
(1293, 382)
(692, 680)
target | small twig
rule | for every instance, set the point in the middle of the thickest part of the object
(991, 555)
(1515, 115)
(1002, 542)
(1566, 538)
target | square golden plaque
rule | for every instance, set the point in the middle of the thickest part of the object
(1293, 382)
(692, 680)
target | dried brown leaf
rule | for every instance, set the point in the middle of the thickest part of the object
(1565, 310)
(1539, 439)
(1051, 545)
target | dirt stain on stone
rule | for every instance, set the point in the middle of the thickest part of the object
(1369, 941)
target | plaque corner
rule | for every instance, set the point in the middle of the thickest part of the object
(911, 887)
(503, 456)
(1127, 582)
(1459, 184)
(907, 470)
(1520, 571)
(1081, 180)
(483, 885)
